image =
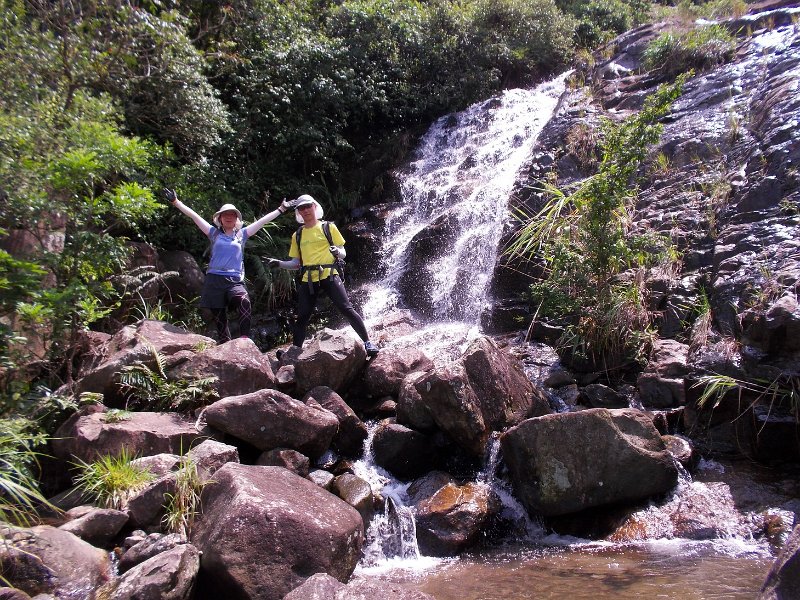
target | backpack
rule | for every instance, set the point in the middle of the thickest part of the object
(338, 263)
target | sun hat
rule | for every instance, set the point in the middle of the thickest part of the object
(226, 208)
(304, 200)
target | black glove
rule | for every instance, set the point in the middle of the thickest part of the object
(273, 263)
(337, 252)
(169, 195)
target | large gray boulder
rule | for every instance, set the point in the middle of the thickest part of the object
(87, 434)
(264, 530)
(486, 390)
(567, 462)
(269, 419)
(46, 560)
(332, 359)
(238, 365)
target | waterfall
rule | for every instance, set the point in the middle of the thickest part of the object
(440, 246)
(391, 534)
(512, 511)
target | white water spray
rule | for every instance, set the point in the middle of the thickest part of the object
(464, 172)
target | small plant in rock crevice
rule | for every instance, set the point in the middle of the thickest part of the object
(148, 387)
(183, 505)
(110, 481)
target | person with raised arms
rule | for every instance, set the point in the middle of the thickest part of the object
(224, 281)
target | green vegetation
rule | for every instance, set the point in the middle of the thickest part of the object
(147, 387)
(781, 392)
(110, 481)
(182, 506)
(697, 49)
(20, 497)
(594, 259)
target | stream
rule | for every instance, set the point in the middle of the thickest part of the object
(465, 170)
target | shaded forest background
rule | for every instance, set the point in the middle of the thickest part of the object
(105, 102)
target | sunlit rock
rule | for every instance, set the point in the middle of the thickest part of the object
(568, 462)
(238, 365)
(268, 419)
(264, 530)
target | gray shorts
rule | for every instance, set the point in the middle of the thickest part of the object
(218, 290)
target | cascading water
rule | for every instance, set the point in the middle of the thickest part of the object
(458, 187)
(460, 180)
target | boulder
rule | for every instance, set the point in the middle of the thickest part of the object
(450, 516)
(189, 282)
(567, 462)
(325, 587)
(87, 436)
(269, 419)
(46, 560)
(270, 518)
(169, 575)
(238, 365)
(402, 451)
(288, 459)
(332, 359)
(357, 493)
(485, 390)
(153, 544)
(349, 438)
(411, 409)
(132, 344)
(783, 579)
(210, 455)
(98, 526)
(147, 507)
(385, 373)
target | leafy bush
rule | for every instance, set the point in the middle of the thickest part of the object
(20, 496)
(592, 256)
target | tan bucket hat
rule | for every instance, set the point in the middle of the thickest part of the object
(226, 208)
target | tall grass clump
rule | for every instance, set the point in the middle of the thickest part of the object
(20, 496)
(697, 49)
(110, 481)
(594, 259)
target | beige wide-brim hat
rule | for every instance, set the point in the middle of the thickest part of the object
(302, 201)
(226, 208)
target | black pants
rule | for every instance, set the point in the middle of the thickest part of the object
(307, 300)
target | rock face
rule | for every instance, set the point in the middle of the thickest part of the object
(86, 435)
(134, 344)
(568, 462)
(169, 575)
(264, 530)
(486, 390)
(238, 365)
(269, 419)
(46, 560)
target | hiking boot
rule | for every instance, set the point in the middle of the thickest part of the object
(371, 349)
